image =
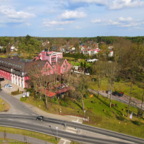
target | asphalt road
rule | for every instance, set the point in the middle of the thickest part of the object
(50, 126)
(17, 107)
(58, 133)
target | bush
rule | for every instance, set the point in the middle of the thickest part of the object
(23, 99)
(54, 100)
(140, 113)
(63, 103)
(16, 92)
(121, 118)
(137, 123)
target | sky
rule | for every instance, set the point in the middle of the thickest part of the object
(71, 18)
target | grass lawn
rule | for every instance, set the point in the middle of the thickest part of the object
(99, 113)
(30, 133)
(3, 106)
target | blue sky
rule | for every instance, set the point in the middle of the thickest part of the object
(71, 18)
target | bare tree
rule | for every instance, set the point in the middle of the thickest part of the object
(98, 70)
(112, 70)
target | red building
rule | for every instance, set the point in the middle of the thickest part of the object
(16, 69)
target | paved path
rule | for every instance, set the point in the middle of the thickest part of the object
(21, 138)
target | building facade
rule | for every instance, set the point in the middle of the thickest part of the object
(16, 69)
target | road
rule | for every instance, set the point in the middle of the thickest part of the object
(59, 128)
(17, 107)
(49, 126)
(58, 133)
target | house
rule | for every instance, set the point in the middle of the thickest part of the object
(92, 60)
(111, 53)
(90, 51)
(50, 56)
(1, 47)
(16, 70)
(13, 48)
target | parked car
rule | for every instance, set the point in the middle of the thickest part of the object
(8, 86)
(116, 93)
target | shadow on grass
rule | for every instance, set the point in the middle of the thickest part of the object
(98, 97)
(137, 123)
(107, 104)
(78, 105)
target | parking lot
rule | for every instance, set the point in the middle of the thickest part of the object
(8, 87)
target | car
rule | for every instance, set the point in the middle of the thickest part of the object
(116, 93)
(8, 86)
(40, 118)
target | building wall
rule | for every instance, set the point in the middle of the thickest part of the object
(50, 56)
(5, 74)
(15, 79)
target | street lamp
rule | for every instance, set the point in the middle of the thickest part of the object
(56, 132)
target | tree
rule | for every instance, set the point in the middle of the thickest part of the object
(98, 70)
(40, 82)
(79, 87)
(112, 69)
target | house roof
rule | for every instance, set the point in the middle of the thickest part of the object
(48, 93)
(63, 90)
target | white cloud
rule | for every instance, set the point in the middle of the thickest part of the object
(12, 13)
(61, 29)
(52, 23)
(97, 21)
(112, 22)
(121, 22)
(114, 4)
(125, 18)
(73, 14)
(92, 1)
(117, 4)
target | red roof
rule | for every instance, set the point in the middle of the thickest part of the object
(63, 90)
(48, 93)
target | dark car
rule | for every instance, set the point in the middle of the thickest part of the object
(116, 93)
(120, 94)
(41, 118)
